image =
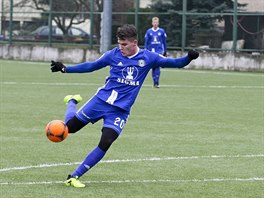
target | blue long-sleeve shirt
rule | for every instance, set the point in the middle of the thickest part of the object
(126, 74)
(155, 40)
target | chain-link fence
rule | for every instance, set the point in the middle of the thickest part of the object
(210, 25)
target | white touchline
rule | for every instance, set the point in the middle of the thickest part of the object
(142, 181)
(133, 160)
(144, 85)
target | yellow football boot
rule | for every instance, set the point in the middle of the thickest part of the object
(74, 181)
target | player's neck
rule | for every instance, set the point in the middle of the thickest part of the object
(155, 29)
(134, 54)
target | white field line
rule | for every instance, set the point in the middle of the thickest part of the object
(133, 160)
(142, 181)
(147, 85)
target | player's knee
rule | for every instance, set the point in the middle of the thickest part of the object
(107, 138)
(74, 125)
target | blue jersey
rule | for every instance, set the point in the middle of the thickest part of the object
(155, 40)
(126, 74)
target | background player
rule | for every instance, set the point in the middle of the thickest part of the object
(155, 41)
(129, 66)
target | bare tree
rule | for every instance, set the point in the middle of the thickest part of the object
(67, 13)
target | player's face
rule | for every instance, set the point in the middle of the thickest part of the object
(155, 24)
(127, 47)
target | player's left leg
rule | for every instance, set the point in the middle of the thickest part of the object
(107, 138)
(153, 76)
(156, 76)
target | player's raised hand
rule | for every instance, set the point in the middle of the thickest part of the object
(192, 54)
(57, 66)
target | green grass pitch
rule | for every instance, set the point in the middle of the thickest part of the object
(200, 135)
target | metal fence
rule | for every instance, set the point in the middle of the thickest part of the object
(238, 30)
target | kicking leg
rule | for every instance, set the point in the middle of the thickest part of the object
(70, 119)
(71, 101)
(74, 125)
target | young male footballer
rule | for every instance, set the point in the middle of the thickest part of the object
(128, 67)
(155, 41)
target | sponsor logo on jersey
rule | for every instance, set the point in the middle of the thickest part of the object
(156, 39)
(128, 82)
(129, 74)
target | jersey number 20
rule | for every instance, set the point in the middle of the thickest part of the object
(119, 122)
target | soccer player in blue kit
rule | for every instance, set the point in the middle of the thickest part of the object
(129, 66)
(155, 41)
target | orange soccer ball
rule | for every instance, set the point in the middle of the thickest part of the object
(56, 131)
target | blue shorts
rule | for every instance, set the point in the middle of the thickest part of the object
(96, 109)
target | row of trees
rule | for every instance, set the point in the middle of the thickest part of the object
(68, 13)
(172, 22)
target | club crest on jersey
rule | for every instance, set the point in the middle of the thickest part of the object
(141, 63)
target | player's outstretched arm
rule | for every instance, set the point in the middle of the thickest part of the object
(57, 66)
(192, 54)
(79, 68)
(178, 62)
(103, 61)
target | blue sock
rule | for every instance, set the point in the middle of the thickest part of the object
(71, 110)
(92, 159)
(156, 74)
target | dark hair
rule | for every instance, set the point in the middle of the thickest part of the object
(127, 31)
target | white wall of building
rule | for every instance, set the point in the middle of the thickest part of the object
(253, 5)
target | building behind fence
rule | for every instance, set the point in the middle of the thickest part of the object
(241, 30)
